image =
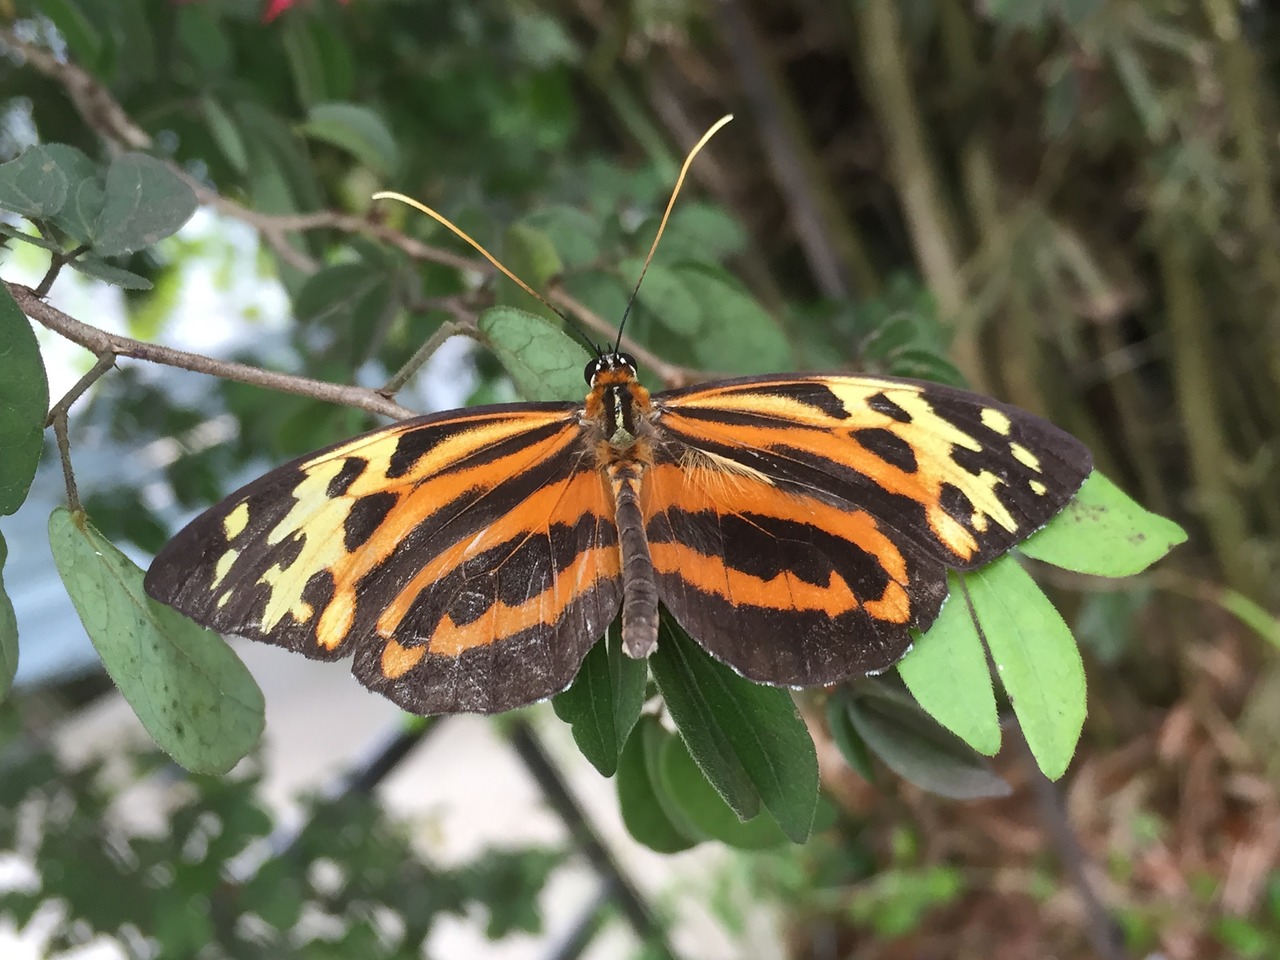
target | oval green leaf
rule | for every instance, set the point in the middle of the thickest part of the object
(737, 335)
(1103, 532)
(916, 748)
(357, 130)
(749, 740)
(33, 185)
(191, 692)
(531, 256)
(8, 632)
(144, 203)
(24, 402)
(642, 811)
(664, 294)
(946, 671)
(109, 273)
(1036, 659)
(544, 362)
(705, 809)
(603, 703)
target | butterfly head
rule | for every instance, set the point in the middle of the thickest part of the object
(611, 367)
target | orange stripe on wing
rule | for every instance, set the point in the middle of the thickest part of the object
(694, 489)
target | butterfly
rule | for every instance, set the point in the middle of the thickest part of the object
(798, 527)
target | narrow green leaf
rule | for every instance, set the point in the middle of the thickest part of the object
(544, 362)
(145, 202)
(916, 748)
(226, 134)
(604, 702)
(9, 230)
(1104, 533)
(1250, 614)
(947, 672)
(24, 402)
(357, 130)
(847, 739)
(667, 297)
(642, 811)
(705, 809)
(33, 185)
(109, 273)
(1036, 659)
(748, 739)
(83, 39)
(191, 692)
(8, 632)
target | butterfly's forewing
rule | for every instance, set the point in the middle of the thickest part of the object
(817, 514)
(468, 559)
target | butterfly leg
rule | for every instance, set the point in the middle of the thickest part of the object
(639, 586)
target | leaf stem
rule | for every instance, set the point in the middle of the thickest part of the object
(57, 260)
(64, 454)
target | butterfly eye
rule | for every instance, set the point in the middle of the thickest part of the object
(592, 369)
(627, 360)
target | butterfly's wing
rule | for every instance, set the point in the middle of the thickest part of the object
(468, 559)
(800, 525)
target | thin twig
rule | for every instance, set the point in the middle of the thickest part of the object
(57, 418)
(102, 342)
(105, 363)
(433, 343)
(64, 454)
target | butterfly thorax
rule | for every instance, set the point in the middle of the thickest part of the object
(619, 406)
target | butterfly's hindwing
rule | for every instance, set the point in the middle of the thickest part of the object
(784, 587)
(961, 475)
(468, 559)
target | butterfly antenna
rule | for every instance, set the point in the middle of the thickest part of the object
(697, 147)
(442, 219)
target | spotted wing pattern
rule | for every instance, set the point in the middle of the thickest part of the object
(468, 559)
(800, 525)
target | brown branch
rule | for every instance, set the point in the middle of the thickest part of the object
(101, 343)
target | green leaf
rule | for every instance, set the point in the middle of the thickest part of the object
(24, 402)
(1250, 614)
(145, 202)
(85, 194)
(357, 130)
(1104, 533)
(574, 233)
(531, 256)
(82, 38)
(8, 632)
(33, 185)
(737, 335)
(604, 702)
(544, 362)
(665, 295)
(642, 811)
(705, 231)
(109, 273)
(705, 809)
(916, 748)
(189, 689)
(847, 739)
(748, 739)
(226, 134)
(348, 299)
(1036, 659)
(946, 671)
(9, 230)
